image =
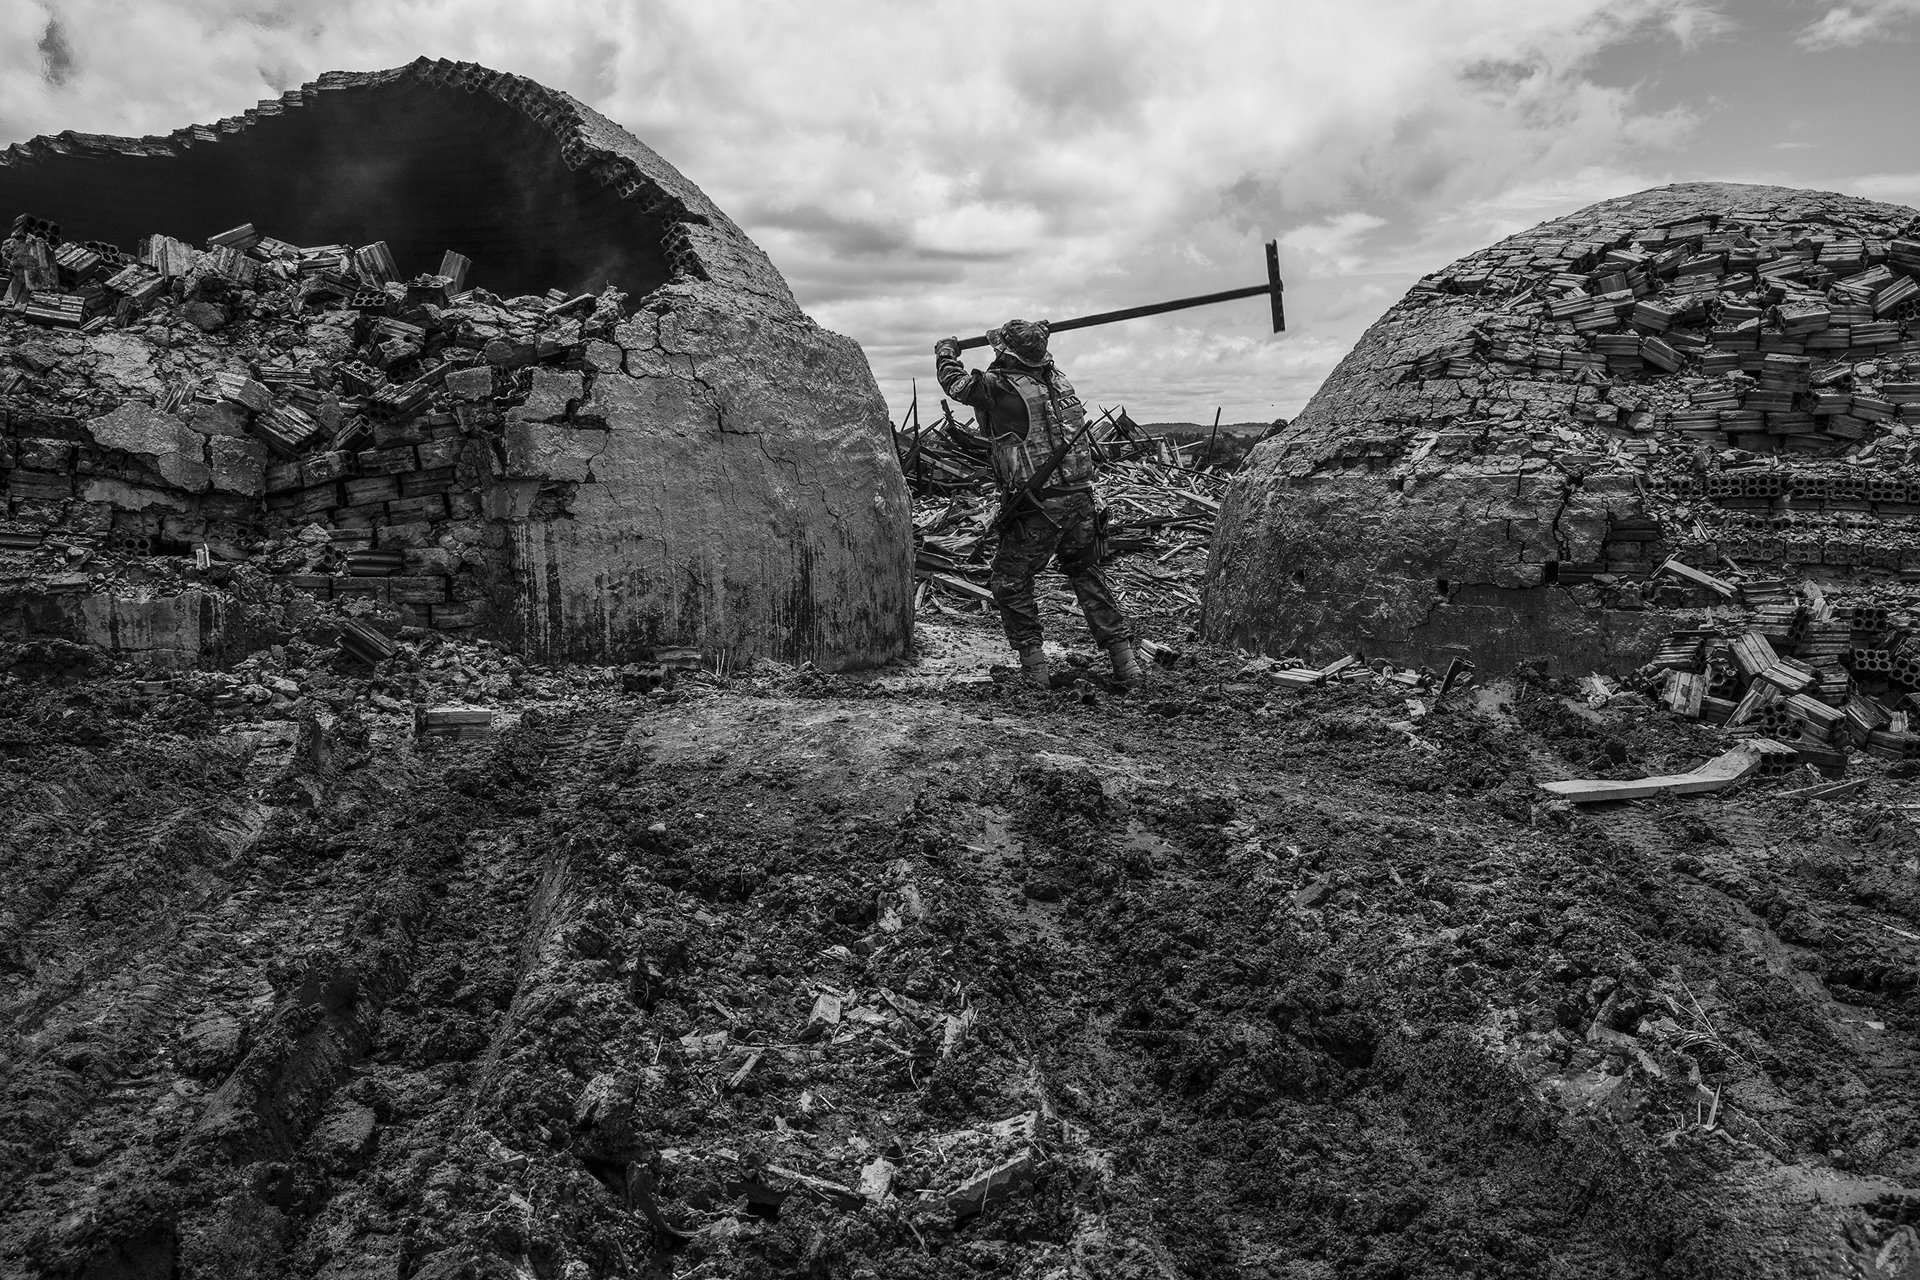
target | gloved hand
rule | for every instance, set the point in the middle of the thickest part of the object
(947, 349)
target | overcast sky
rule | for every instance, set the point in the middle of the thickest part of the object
(922, 169)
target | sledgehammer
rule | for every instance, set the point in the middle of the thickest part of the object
(1272, 288)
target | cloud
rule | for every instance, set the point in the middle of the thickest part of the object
(56, 58)
(1696, 25)
(1846, 25)
(1331, 247)
(921, 170)
(1894, 188)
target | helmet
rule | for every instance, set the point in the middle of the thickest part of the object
(1024, 341)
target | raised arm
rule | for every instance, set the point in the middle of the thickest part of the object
(968, 386)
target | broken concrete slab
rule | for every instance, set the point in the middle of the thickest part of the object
(237, 465)
(345, 1140)
(217, 418)
(159, 439)
(470, 384)
(126, 364)
(991, 1185)
(552, 398)
(204, 316)
(125, 496)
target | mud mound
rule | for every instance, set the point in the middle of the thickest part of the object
(789, 974)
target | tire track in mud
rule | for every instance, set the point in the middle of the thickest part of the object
(579, 758)
(494, 898)
(206, 950)
(95, 1032)
(83, 1024)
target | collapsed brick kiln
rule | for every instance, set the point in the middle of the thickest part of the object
(444, 347)
(1725, 374)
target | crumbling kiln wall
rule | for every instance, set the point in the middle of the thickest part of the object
(627, 437)
(1507, 456)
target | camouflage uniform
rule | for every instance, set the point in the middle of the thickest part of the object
(1059, 528)
(1027, 409)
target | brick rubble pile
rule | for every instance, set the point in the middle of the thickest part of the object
(295, 415)
(1759, 373)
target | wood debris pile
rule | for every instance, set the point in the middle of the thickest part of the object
(1161, 500)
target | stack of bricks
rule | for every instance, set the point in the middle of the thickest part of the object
(1763, 360)
(92, 281)
(408, 478)
(1748, 333)
(1824, 680)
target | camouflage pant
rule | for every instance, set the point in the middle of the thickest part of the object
(1059, 528)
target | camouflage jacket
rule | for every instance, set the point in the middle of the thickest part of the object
(1008, 399)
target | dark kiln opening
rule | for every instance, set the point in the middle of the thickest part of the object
(424, 167)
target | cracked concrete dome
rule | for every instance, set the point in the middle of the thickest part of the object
(1714, 372)
(713, 471)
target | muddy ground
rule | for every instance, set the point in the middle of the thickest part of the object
(924, 974)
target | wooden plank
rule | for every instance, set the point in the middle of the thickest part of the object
(960, 586)
(1716, 774)
(1825, 790)
(1335, 667)
(1719, 586)
(1199, 500)
(843, 1198)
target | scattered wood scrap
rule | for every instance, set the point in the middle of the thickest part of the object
(1309, 677)
(1719, 586)
(1716, 774)
(1825, 790)
(1161, 507)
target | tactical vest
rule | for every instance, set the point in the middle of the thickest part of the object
(1052, 419)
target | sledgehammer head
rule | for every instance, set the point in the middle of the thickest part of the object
(1275, 287)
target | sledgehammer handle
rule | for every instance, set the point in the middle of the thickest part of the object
(1272, 288)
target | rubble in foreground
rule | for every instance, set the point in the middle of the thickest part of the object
(781, 973)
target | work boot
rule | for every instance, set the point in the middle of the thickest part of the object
(1033, 667)
(1126, 667)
